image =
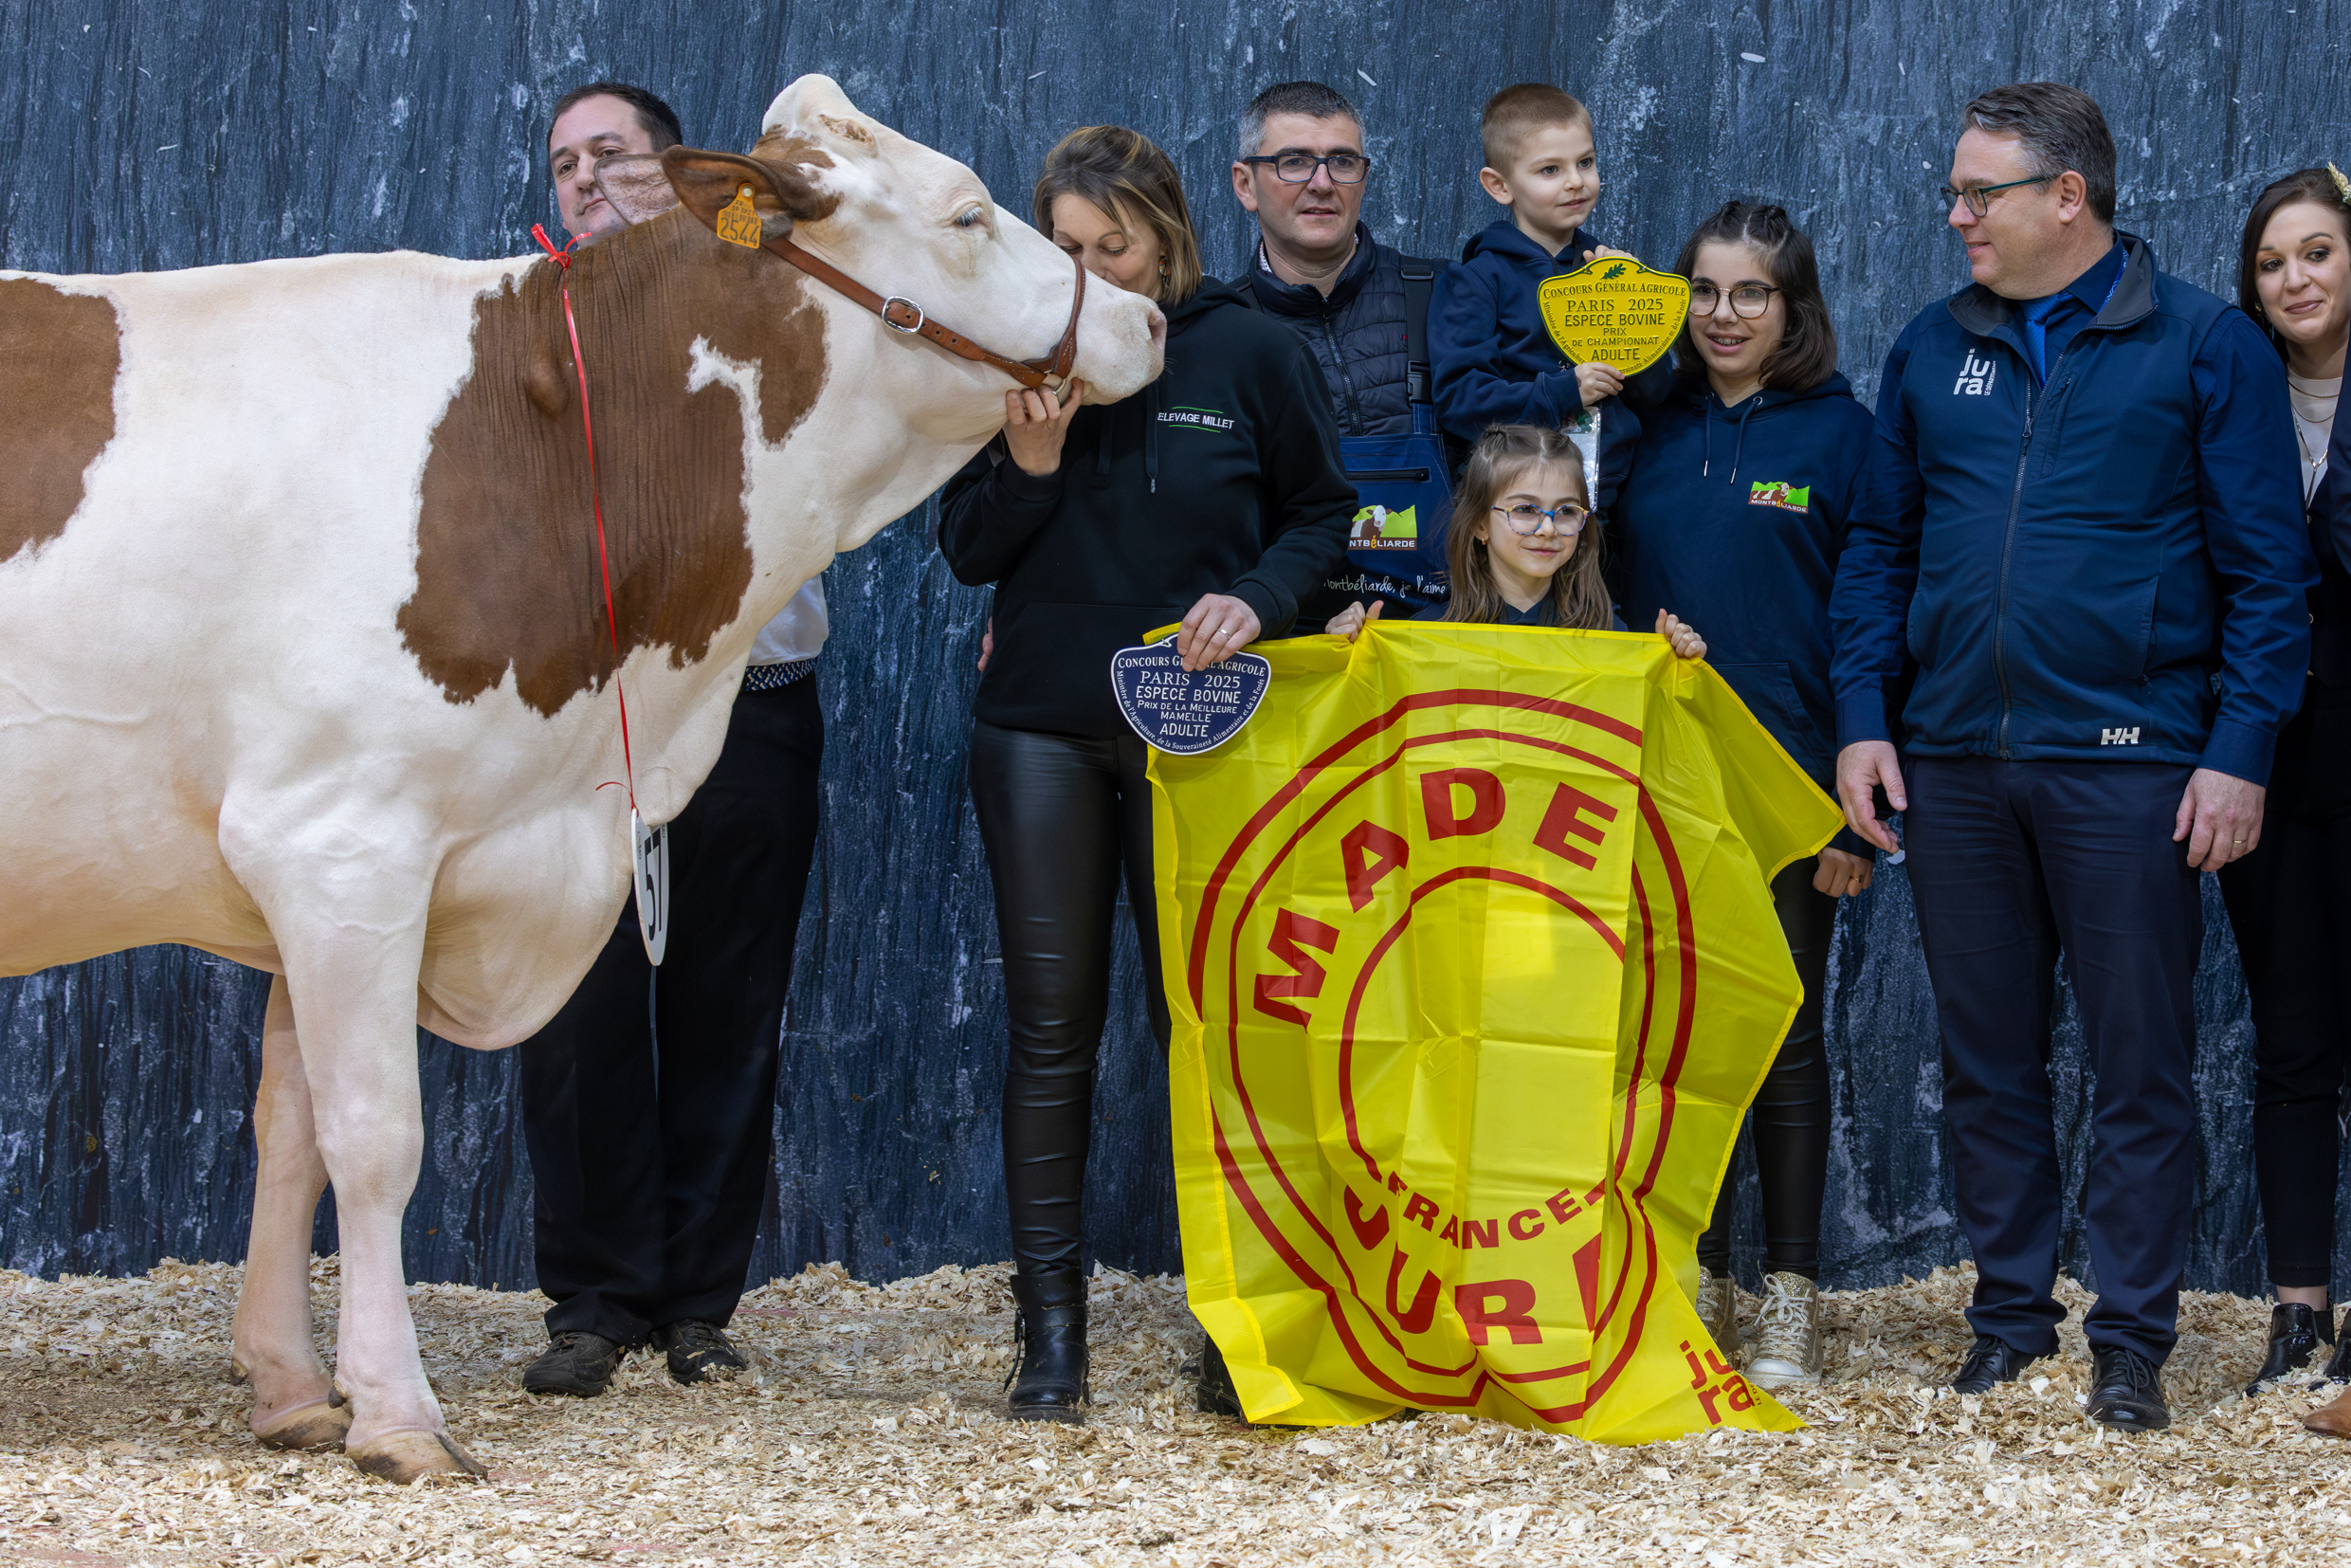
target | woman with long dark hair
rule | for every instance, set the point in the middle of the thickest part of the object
(2285, 895)
(1734, 513)
(1215, 497)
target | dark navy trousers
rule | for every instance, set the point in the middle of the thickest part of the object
(651, 1140)
(2012, 863)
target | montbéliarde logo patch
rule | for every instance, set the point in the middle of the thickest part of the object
(1779, 493)
(1185, 711)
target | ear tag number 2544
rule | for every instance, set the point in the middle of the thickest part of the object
(738, 222)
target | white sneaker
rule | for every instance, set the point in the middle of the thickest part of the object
(1718, 1309)
(1787, 1334)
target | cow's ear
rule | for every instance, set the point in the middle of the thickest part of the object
(706, 182)
(636, 185)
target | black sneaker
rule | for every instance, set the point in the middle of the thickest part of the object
(698, 1351)
(1990, 1360)
(2126, 1390)
(577, 1362)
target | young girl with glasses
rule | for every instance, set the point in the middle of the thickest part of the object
(1735, 510)
(1524, 547)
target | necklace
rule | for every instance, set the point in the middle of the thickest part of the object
(2312, 462)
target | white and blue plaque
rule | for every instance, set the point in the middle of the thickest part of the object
(1186, 712)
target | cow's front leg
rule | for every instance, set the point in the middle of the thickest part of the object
(355, 1006)
(294, 1404)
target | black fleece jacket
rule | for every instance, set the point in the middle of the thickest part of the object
(1221, 477)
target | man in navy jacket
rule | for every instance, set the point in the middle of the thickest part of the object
(2085, 525)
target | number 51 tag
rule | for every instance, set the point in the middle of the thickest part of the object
(649, 857)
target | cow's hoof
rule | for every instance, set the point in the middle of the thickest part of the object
(401, 1457)
(314, 1429)
(2334, 1418)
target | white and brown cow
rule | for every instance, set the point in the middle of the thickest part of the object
(303, 657)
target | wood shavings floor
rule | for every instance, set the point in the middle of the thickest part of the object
(869, 1432)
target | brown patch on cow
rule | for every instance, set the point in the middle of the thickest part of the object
(848, 130)
(507, 567)
(780, 148)
(60, 354)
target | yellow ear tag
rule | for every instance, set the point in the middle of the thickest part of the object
(738, 223)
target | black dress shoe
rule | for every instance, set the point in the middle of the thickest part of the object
(1991, 1360)
(2126, 1390)
(577, 1362)
(698, 1351)
(2296, 1332)
(1049, 1379)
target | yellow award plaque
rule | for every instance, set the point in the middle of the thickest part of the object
(1617, 311)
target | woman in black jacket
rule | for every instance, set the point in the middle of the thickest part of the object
(1216, 498)
(2285, 893)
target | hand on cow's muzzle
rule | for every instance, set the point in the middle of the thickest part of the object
(1036, 423)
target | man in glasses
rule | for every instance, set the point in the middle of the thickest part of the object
(1362, 309)
(649, 1107)
(2087, 526)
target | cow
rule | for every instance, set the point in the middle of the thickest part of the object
(304, 657)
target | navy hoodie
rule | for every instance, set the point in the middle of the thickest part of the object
(1733, 519)
(1221, 477)
(1494, 362)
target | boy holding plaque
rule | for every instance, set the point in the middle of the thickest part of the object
(1494, 359)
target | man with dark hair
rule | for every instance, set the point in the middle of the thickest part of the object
(2085, 523)
(591, 123)
(649, 1109)
(1362, 309)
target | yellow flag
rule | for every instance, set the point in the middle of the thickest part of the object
(1474, 971)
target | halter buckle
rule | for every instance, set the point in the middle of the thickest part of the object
(892, 318)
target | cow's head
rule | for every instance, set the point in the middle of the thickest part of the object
(906, 221)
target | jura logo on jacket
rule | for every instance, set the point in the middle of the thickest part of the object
(1196, 419)
(1975, 378)
(1779, 493)
(2118, 737)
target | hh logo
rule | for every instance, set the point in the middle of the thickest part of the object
(1779, 493)
(2118, 738)
(1975, 378)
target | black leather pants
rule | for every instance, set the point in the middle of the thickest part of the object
(1790, 1119)
(1063, 817)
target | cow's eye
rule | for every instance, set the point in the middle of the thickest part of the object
(971, 217)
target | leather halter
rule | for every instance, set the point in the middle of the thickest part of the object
(902, 314)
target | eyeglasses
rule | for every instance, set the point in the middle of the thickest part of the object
(1748, 300)
(1298, 167)
(1526, 522)
(1978, 198)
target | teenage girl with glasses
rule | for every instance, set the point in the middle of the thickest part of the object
(1735, 511)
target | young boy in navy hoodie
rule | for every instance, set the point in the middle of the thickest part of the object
(1493, 359)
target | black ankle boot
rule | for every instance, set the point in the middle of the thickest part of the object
(1214, 1395)
(1048, 1378)
(2296, 1332)
(2339, 1364)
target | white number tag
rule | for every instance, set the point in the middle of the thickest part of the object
(649, 853)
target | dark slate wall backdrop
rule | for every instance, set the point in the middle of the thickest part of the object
(146, 135)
